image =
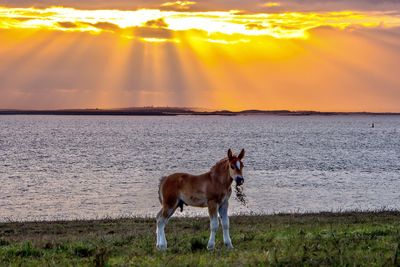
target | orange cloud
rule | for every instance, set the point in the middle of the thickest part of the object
(180, 5)
(279, 25)
(271, 4)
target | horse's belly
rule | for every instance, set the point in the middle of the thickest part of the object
(194, 200)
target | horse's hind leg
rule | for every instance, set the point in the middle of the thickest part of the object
(162, 219)
(160, 232)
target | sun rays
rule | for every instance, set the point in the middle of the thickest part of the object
(60, 57)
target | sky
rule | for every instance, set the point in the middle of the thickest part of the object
(217, 54)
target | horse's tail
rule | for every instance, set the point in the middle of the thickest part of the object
(159, 187)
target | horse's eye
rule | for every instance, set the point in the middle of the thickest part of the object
(232, 166)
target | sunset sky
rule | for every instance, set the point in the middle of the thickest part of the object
(220, 54)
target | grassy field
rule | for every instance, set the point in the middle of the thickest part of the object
(327, 239)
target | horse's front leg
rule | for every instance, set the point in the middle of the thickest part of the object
(223, 213)
(213, 212)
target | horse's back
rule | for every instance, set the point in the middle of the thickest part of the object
(175, 180)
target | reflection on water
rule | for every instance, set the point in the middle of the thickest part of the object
(55, 167)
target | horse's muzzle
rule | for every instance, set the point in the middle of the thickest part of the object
(239, 180)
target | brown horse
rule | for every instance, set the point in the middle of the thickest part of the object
(211, 189)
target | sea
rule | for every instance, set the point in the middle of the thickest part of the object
(94, 167)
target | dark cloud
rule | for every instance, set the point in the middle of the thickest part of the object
(105, 26)
(285, 27)
(157, 23)
(22, 19)
(255, 26)
(152, 29)
(67, 24)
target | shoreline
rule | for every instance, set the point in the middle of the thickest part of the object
(146, 218)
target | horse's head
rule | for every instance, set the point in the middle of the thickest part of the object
(236, 167)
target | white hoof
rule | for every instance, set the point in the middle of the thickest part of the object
(161, 247)
(228, 245)
(210, 246)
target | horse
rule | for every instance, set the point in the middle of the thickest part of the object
(211, 189)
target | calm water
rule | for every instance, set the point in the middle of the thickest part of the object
(55, 167)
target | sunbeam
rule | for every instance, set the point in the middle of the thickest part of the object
(63, 57)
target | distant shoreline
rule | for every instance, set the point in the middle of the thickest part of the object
(154, 111)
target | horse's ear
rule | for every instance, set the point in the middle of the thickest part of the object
(230, 154)
(241, 155)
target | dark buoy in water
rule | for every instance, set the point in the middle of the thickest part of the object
(373, 125)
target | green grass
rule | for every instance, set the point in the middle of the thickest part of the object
(328, 239)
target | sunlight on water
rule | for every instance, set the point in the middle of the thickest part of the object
(55, 167)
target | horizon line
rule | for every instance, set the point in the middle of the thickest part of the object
(190, 109)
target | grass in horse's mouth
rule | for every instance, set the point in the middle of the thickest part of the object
(240, 195)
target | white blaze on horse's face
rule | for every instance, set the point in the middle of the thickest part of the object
(236, 167)
(235, 171)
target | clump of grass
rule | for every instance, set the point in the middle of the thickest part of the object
(396, 255)
(27, 250)
(197, 244)
(4, 242)
(83, 250)
(101, 257)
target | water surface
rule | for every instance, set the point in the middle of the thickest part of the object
(69, 167)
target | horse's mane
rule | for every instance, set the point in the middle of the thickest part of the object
(214, 169)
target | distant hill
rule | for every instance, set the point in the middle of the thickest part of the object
(175, 111)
